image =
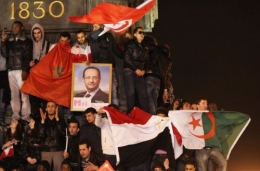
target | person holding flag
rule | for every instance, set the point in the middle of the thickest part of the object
(208, 157)
(11, 155)
(213, 134)
(71, 151)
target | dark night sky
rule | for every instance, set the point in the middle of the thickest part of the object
(215, 51)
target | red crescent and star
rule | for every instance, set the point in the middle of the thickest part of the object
(195, 123)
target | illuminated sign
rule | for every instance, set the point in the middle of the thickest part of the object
(51, 14)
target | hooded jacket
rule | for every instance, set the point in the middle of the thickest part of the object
(40, 48)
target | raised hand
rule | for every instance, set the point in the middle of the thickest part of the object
(57, 114)
(43, 115)
(4, 35)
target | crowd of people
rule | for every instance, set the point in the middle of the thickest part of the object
(42, 139)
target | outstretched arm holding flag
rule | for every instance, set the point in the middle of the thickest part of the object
(118, 18)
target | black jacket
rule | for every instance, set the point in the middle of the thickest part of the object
(134, 55)
(92, 134)
(52, 133)
(104, 49)
(18, 52)
(92, 159)
(166, 62)
(31, 145)
(152, 63)
(73, 148)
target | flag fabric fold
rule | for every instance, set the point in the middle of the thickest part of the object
(134, 135)
(8, 152)
(50, 79)
(218, 129)
(118, 18)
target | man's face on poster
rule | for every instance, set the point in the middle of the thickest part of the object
(91, 79)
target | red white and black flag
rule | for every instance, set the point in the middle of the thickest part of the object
(135, 134)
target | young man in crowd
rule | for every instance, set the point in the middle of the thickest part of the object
(209, 156)
(134, 61)
(88, 160)
(202, 104)
(52, 133)
(64, 37)
(107, 141)
(82, 46)
(190, 165)
(193, 106)
(40, 49)
(18, 51)
(212, 106)
(72, 152)
(91, 133)
(163, 149)
(66, 166)
(104, 49)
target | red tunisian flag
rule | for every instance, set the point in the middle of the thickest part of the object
(116, 17)
(50, 79)
(8, 152)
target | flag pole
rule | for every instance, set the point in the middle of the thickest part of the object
(67, 138)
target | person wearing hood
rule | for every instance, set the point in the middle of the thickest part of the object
(40, 49)
(40, 45)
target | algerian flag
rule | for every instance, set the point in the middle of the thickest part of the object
(218, 129)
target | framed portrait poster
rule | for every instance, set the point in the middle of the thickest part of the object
(91, 86)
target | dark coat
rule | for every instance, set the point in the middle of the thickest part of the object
(134, 55)
(152, 63)
(92, 134)
(104, 48)
(73, 148)
(92, 159)
(99, 97)
(18, 52)
(52, 134)
(31, 145)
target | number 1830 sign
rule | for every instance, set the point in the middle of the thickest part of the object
(37, 9)
(52, 14)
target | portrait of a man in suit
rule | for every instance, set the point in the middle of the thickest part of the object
(91, 79)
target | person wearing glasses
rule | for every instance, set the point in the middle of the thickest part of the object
(134, 61)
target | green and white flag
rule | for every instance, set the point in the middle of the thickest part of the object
(218, 129)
